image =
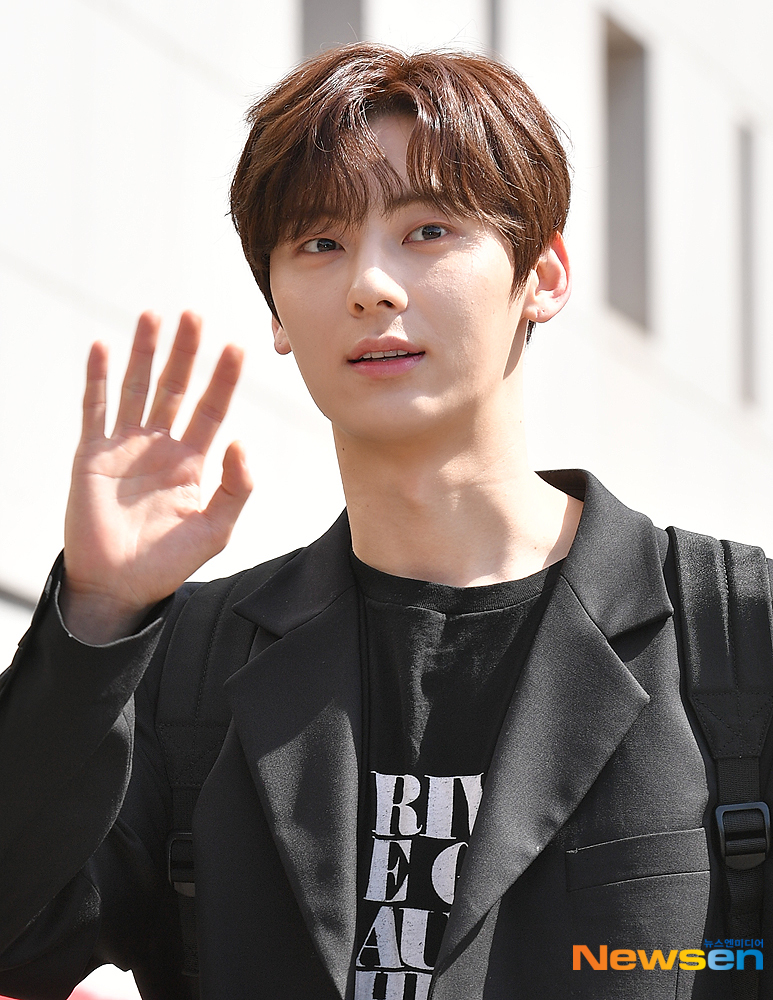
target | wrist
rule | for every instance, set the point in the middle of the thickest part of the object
(96, 618)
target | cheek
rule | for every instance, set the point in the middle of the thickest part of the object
(474, 301)
(450, 298)
(302, 294)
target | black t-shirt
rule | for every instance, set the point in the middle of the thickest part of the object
(441, 664)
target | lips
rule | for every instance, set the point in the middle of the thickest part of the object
(394, 362)
(385, 355)
(382, 348)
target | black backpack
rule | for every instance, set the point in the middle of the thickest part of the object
(724, 624)
(725, 628)
(192, 714)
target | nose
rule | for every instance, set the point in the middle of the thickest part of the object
(373, 289)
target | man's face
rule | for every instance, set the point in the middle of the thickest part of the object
(429, 292)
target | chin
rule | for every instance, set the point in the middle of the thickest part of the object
(398, 426)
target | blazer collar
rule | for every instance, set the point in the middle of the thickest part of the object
(297, 708)
(615, 564)
(614, 567)
(574, 703)
(305, 585)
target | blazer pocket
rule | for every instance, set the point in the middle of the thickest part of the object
(673, 853)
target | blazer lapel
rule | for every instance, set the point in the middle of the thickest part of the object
(297, 711)
(575, 702)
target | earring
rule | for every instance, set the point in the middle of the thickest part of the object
(530, 329)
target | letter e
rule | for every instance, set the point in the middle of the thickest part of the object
(388, 858)
(721, 959)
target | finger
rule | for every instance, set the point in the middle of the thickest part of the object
(134, 391)
(213, 405)
(95, 394)
(174, 379)
(230, 497)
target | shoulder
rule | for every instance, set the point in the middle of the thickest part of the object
(228, 590)
(201, 627)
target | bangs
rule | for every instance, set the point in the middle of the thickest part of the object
(338, 169)
(344, 183)
(481, 146)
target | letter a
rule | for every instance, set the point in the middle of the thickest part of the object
(381, 939)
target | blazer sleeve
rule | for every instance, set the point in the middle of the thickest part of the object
(83, 804)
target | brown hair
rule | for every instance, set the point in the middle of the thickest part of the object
(482, 146)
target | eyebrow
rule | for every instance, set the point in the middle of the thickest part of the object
(406, 198)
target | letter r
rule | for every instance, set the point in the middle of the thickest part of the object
(388, 803)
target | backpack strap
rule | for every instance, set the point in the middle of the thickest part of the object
(209, 642)
(726, 628)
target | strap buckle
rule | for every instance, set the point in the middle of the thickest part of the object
(744, 834)
(179, 862)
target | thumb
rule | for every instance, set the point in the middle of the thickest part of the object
(231, 495)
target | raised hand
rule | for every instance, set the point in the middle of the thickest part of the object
(135, 528)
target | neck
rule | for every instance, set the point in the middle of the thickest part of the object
(463, 514)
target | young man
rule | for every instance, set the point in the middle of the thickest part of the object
(456, 745)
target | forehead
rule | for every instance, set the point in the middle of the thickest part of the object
(392, 133)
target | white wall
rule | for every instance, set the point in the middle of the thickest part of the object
(122, 124)
(660, 416)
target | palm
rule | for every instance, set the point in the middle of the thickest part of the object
(135, 528)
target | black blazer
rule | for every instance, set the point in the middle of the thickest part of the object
(592, 829)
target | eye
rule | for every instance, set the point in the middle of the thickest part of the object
(320, 244)
(425, 233)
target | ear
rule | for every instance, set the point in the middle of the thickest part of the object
(281, 343)
(550, 283)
